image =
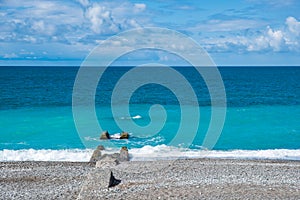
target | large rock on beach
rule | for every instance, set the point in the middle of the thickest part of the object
(104, 135)
(124, 135)
(108, 161)
(124, 155)
(100, 147)
(96, 156)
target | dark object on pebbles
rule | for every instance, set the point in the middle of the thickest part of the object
(103, 178)
(113, 181)
(124, 135)
(104, 135)
(124, 155)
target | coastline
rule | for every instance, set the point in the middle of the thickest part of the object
(184, 179)
(148, 153)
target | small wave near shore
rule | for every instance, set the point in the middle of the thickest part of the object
(148, 153)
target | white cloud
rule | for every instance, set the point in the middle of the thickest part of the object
(293, 25)
(84, 2)
(258, 43)
(29, 38)
(110, 19)
(41, 27)
(217, 25)
(185, 7)
(275, 39)
(84, 23)
(10, 55)
(101, 19)
(68, 29)
(46, 21)
(285, 38)
(282, 39)
(139, 7)
(275, 3)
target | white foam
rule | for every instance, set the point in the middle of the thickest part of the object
(137, 117)
(90, 138)
(163, 152)
(133, 117)
(115, 136)
(160, 152)
(74, 155)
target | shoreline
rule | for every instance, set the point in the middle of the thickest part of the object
(258, 160)
(148, 153)
(183, 178)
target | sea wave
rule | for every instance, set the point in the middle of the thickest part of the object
(159, 152)
(162, 152)
(133, 117)
(72, 155)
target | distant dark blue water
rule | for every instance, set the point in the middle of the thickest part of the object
(23, 87)
(263, 108)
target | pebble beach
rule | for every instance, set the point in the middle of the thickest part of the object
(165, 179)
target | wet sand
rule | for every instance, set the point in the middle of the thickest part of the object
(179, 179)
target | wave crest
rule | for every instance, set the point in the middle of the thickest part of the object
(159, 152)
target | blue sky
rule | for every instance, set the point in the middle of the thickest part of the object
(236, 32)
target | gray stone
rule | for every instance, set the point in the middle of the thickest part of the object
(124, 155)
(108, 156)
(107, 161)
(96, 155)
(104, 135)
(100, 147)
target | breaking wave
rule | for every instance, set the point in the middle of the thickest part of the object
(159, 152)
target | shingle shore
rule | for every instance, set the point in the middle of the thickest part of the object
(179, 179)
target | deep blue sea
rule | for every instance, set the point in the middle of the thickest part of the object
(262, 117)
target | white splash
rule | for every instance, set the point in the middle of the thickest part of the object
(159, 152)
(133, 117)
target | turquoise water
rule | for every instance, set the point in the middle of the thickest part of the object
(256, 127)
(263, 111)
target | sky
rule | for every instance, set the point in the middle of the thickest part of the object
(234, 33)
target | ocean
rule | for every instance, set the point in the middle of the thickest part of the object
(262, 117)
